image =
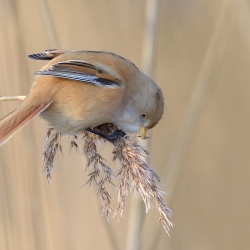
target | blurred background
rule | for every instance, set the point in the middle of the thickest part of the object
(200, 149)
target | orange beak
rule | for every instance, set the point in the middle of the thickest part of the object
(143, 132)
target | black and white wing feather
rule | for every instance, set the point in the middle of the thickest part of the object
(49, 54)
(80, 71)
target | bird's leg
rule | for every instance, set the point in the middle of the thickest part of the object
(116, 134)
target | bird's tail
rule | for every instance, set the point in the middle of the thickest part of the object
(14, 121)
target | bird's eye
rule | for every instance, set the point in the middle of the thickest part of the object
(143, 116)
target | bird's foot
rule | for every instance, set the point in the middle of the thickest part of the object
(115, 135)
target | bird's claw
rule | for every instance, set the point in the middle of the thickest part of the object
(115, 135)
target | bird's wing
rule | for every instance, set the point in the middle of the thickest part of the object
(49, 54)
(81, 71)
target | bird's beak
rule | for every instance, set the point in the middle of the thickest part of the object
(143, 132)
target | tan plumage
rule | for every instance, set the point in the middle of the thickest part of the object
(77, 90)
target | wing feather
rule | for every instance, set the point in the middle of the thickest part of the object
(81, 71)
(49, 54)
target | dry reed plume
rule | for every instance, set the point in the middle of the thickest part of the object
(135, 173)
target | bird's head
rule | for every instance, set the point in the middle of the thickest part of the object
(145, 106)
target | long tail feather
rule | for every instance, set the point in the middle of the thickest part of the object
(14, 121)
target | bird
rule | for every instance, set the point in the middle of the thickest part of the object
(80, 90)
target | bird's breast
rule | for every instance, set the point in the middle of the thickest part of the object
(77, 106)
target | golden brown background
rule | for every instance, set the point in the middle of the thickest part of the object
(200, 148)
